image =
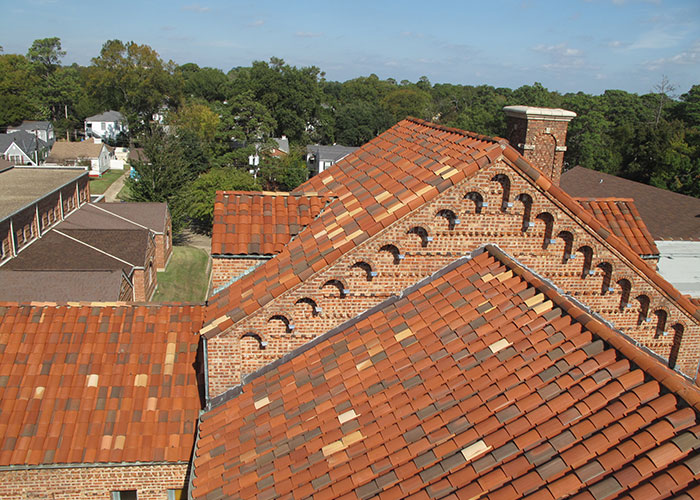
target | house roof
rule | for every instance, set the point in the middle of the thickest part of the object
(154, 216)
(63, 150)
(60, 286)
(130, 245)
(56, 251)
(124, 392)
(668, 215)
(395, 173)
(20, 187)
(32, 125)
(257, 223)
(330, 153)
(107, 116)
(137, 154)
(480, 381)
(25, 141)
(620, 215)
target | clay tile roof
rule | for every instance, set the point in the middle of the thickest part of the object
(480, 381)
(248, 222)
(620, 215)
(379, 183)
(97, 384)
(668, 215)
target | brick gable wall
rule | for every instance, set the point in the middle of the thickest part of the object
(497, 205)
(151, 482)
(225, 269)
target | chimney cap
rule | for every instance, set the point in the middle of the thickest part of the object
(533, 113)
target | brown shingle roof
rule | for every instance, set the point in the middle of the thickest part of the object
(481, 381)
(260, 223)
(668, 215)
(152, 215)
(97, 384)
(60, 286)
(620, 215)
(62, 150)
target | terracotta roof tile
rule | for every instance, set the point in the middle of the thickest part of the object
(620, 216)
(253, 223)
(519, 400)
(97, 383)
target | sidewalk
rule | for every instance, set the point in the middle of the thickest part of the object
(113, 190)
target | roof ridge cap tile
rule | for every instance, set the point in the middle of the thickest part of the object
(445, 128)
(589, 219)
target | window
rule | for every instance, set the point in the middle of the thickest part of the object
(176, 494)
(102, 125)
(124, 495)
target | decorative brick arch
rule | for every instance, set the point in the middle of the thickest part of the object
(678, 330)
(308, 301)
(548, 220)
(262, 344)
(422, 233)
(505, 184)
(587, 267)
(644, 304)
(450, 216)
(661, 320)
(568, 239)
(336, 283)
(625, 291)
(607, 270)
(288, 323)
(478, 199)
(366, 267)
(526, 202)
(394, 251)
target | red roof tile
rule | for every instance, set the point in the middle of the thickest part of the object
(256, 223)
(95, 384)
(477, 382)
(620, 216)
(384, 180)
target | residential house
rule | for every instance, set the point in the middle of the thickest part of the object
(92, 155)
(450, 323)
(23, 148)
(106, 126)
(319, 158)
(673, 221)
(41, 129)
(33, 200)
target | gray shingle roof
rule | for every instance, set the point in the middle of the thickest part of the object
(107, 116)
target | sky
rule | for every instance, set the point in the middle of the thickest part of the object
(567, 45)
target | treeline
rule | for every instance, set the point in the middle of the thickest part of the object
(214, 121)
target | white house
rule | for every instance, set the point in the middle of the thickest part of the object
(41, 129)
(106, 126)
(94, 156)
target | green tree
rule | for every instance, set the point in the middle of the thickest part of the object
(17, 90)
(285, 173)
(133, 78)
(202, 193)
(210, 84)
(197, 119)
(46, 55)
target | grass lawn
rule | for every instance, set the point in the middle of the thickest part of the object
(99, 186)
(186, 278)
(124, 194)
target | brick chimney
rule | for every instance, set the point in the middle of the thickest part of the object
(540, 136)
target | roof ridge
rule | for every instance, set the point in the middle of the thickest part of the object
(307, 194)
(608, 198)
(465, 133)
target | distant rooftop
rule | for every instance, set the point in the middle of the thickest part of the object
(330, 153)
(60, 286)
(107, 116)
(31, 125)
(20, 187)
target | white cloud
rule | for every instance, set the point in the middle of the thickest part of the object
(256, 23)
(686, 58)
(560, 50)
(657, 40)
(195, 7)
(307, 34)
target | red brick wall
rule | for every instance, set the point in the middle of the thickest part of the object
(5, 240)
(229, 356)
(151, 482)
(70, 199)
(25, 227)
(224, 270)
(49, 211)
(164, 245)
(145, 280)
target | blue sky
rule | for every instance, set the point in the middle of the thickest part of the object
(567, 45)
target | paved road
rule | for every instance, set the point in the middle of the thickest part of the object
(113, 190)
